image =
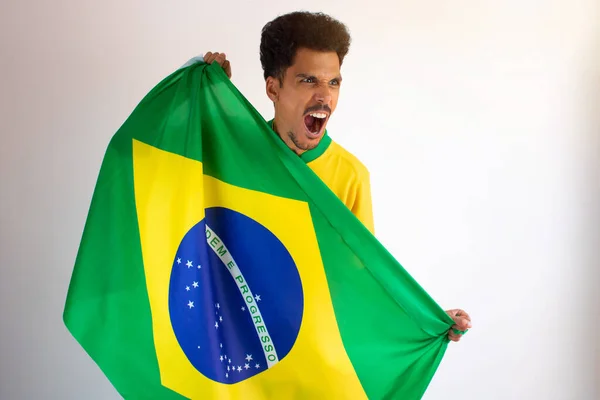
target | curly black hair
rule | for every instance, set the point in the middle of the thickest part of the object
(282, 37)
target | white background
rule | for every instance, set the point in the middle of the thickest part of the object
(479, 122)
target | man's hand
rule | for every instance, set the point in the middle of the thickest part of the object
(221, 59)
(462, 322)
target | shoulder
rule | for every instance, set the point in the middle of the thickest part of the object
(349, 160)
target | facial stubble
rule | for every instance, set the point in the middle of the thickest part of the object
(298, 145)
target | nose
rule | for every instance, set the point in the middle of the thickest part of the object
(323, 95)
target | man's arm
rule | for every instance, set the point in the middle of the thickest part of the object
(363, 210)
(363, 207)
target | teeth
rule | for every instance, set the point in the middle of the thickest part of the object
(318, 115)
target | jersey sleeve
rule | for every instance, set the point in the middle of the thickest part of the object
(363, 207)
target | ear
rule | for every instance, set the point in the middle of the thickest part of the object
(272, 87)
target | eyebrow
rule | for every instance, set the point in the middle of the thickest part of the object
(339, 77)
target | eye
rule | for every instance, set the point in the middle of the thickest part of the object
(334, 82)
(308, 80)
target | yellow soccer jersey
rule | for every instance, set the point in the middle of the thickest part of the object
(345, 175)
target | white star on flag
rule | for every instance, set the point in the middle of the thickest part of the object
(246, 366)
(178, 260)
(195, 284)
(221, 346)
(239, 369)
(190, 304)
(248, 357)
(257, 297)
(243, 308)
(187, 288)
(199, 266)
(189, 264)
(217, 325)
(226, 375)
(218, 305)
(221, 358)
(257, 366)
(229, 361)
(220, 319)
(228, 368)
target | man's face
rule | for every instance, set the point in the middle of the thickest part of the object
(307, 98)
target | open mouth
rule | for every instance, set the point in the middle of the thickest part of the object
(314, 123)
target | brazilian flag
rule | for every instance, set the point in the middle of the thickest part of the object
(214, 264)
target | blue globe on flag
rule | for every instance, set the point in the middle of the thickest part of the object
(235, 297)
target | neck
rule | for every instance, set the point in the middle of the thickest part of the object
(285, 137)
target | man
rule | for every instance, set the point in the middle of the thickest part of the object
(301, 55)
